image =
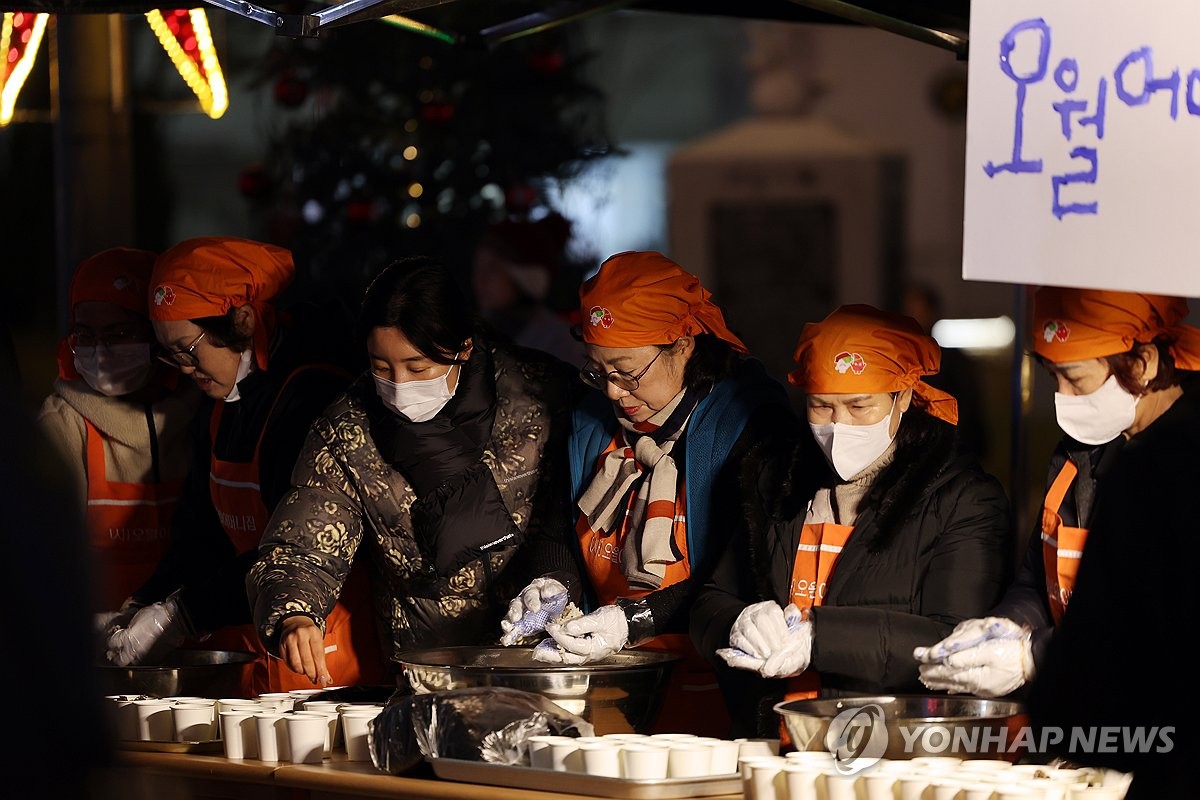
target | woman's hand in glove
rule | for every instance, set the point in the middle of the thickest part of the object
(154, 631)
(538, 603)
(591, 637)
(988, 657)
(770, 640)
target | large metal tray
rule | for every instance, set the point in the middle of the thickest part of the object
(548, 780)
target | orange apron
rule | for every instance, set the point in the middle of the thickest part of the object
(692, 702)
(1062, 545)
(820, 546)
(128, 524)
(350, 635)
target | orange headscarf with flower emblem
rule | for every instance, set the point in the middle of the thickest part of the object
(643, 298)
(207, 276)
(119, 276)
(859, 349)
(1077, 324)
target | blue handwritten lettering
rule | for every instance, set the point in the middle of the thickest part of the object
(1087, 176)
(1150, 84)
(1007, 45)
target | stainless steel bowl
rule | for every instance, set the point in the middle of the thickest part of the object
(200, 673)
(904, 726)
(619, 694)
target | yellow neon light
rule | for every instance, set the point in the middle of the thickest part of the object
(10, 86)
(208, 87)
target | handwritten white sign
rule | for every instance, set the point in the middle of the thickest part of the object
(1083, 144)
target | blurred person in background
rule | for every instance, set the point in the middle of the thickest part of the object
(443, 466)
(266, 374)
(867, 535)
(654, 453)
(1100, 597)
(122, 420)
(513, 273)
(959, 376)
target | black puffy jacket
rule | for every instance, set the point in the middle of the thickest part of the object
(932, 546)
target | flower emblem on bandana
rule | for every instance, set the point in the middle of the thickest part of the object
(599, 315)
(845, 362)
(121, 283)
(1056, 329)
(164, 296)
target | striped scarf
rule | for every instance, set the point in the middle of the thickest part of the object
(644, 467)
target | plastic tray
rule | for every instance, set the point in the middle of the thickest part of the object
(546, 780)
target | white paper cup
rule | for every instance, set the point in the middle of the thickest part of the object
(331, 727)
(724, 756)
(673, 737)
(194, 722)
(820, 759)
(976, 790)
(687, 758)
(239, 735)
(839, 786)
(1017, 791)
(539, 751)
(602, 759)
(124, 716)
(767, 780)
(562, 755)
(643, 762)
(271, 727)
(757, 747)
(154, 720)
(803, 782)
(308, 735)
(879, 785)
(280, 701)
(354, 732)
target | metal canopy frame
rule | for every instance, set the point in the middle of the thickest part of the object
(312, 24)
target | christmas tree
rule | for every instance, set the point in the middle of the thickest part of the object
(397, 143)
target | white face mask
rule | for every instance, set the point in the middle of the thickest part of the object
(853, 448)
(1098, 417)
(243, 370)
(418, 401)
(116, 370)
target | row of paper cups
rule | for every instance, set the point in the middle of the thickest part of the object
(814, 775)
(644, 757)
(268, 727)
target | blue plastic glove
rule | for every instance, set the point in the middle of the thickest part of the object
(541, 601)
(154, 631)
(771, 640)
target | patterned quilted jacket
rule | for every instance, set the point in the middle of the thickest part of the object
(348, 502)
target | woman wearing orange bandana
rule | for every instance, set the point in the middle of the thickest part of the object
(121, 420)
(861, 540)
(654, 453)
(1121, 363)
(266, 377)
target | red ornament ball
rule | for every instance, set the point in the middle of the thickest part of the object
(254, 183)
(290, 91)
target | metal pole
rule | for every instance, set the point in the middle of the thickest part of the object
(874, 19)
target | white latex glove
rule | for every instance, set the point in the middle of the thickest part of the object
(593, 636)
(154, 630)
(970, 633)
(108, 621)
(538, 603)
(992, 668)
(770, 640)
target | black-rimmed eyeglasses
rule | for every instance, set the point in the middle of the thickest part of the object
(625, 381)
(185, 357)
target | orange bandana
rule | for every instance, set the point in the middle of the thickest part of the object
(1077, 324)
(206, 277)
(637, 299)
(861, 350)
(119, 276)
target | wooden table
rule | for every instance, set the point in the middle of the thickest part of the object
(187, 776)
